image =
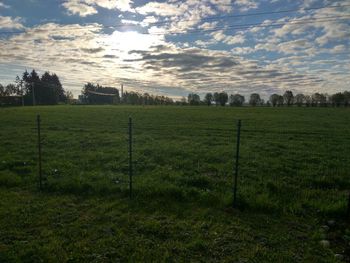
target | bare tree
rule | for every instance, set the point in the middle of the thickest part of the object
(274, 99)
(193, 99)
(236, 100)
(299, 99)
(288, 98)
(254, 99)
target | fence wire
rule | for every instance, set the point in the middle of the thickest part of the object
(282, 167)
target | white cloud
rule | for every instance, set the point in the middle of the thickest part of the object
(130, 22)
(88, 7)
(310, 3)
(148, 20)
(220, 36)
(235, 39)
(76, 7)
(293, 45)
(189, 19)
(8, 22)
(2, 5)
(288, 47)
(177, 17)
(338, 49)
(333, 31)
(322, 29)
(206, 43)
(162, 9)
(208, 25)
(242, 50)
(246, 5)
(122, 5)
(223, 5)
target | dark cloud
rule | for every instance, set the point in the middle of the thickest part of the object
(188, 60)
(209, 70)
(160, 48)
(80, 61)
(62, 38)
(92, 50)
(110, 56)
(262, 73)
(193, 76)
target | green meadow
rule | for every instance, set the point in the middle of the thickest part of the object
(293, 177)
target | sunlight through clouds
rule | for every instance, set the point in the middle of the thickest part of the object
(124, 42)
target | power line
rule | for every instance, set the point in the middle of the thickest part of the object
(268, 13)
(239, 26)
(260, 25)
(88, 27)
(240, 15)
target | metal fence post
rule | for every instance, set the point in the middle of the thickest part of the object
(236, 164)
(348, 209)
(130, 158)
(39, 152)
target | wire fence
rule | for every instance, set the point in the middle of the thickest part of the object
(279, 169)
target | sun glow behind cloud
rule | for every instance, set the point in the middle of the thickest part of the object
(118, 50)
(124, 42)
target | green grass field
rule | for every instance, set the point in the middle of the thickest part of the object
(293, 177)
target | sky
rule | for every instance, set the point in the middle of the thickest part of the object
(173, 47)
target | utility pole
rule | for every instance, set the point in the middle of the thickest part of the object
(20, 85)
(33, 93)
(22, 93)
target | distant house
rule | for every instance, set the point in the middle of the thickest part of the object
(82, 99)
(10, 101)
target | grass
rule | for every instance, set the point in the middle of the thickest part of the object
(293, 177)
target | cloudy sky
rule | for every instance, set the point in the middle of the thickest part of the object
(175, 47)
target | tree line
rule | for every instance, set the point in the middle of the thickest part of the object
(275, 100)
(36, 90)
(32, 89)
(97, 94)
